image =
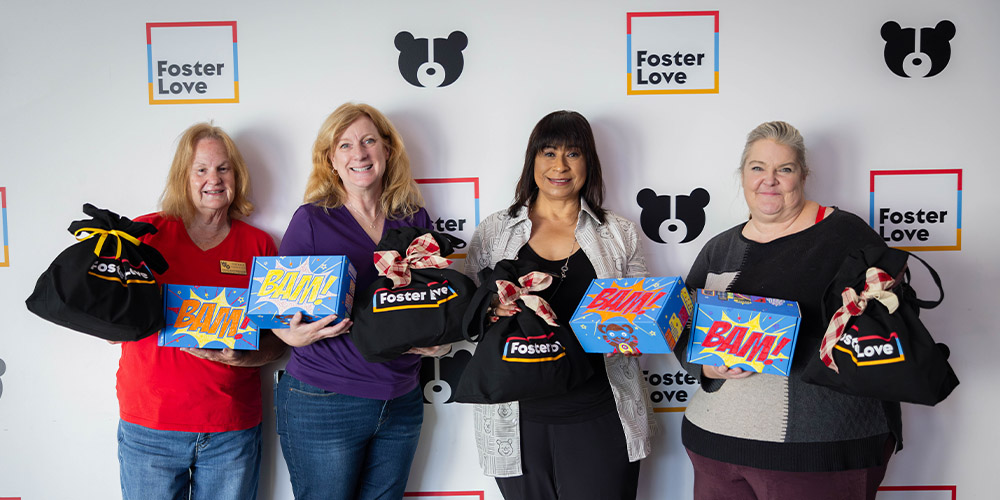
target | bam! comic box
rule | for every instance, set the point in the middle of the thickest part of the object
(744, 331)
(632, 315)
(209, 317)
(316, 286)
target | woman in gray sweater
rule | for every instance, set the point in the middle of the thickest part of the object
(760, 436)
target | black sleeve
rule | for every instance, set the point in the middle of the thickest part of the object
(696, 279)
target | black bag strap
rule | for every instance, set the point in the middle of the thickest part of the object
(475, 316)
(904, 279)
(925, 304)
(453, 243)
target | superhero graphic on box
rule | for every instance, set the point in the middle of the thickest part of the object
(620, 336)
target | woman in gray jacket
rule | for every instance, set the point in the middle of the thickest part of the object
(587, 443)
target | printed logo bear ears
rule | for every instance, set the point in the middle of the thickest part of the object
(683, 217)
(431, 63)
(917, 53)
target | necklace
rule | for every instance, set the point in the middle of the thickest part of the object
(565, 267)
(371, 223)
(562, 272)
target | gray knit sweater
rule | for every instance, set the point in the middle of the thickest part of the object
(775, 422)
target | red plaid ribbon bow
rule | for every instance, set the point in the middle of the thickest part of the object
(531, 282)
(423, 253)
(877, 286)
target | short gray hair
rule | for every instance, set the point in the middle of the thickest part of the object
(782, 133)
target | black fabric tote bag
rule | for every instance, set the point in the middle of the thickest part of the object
(104, 284)
(876, 346)
(417, 301)
(527, 355)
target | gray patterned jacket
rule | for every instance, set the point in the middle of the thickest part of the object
(615, 252)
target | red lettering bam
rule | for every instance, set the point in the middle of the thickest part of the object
(197, 316)
(624, 301)
(724, 337)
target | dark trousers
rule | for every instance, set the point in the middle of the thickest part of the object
(577, 461)
(715, 480)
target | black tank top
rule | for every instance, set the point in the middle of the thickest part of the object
(593, 398)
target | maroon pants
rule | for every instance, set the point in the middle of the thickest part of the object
(715, 480)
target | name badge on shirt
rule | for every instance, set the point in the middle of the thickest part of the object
(233, 267)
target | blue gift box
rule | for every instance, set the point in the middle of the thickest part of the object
(632, 315)
(744, 331)
(209, 317)
(316, 286)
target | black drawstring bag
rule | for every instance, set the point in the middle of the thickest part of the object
(521, 356)
(876, 345)
(391, 317)
(103, 285)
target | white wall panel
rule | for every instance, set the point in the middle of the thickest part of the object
(77, 127)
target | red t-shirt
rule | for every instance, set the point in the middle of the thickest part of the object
(167, 389)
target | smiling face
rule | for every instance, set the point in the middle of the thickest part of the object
(560, 172)
(211, 179)
(773, 182)
(359, 156)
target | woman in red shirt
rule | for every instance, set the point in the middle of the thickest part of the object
(190, 418)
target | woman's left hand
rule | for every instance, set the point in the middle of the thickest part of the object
(225, 356)
(270, 349)
(629, 354)
(724, 372)
(499, 309)
(300, 333)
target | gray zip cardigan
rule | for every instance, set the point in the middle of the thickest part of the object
(615, 251)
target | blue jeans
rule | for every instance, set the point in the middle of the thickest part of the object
(188, 465)
(344, 447)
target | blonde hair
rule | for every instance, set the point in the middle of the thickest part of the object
(400, 195)
(176, 199)
(782, 133)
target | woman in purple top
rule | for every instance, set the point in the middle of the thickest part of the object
(349, 428)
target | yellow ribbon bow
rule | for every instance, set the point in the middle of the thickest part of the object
(120, 235)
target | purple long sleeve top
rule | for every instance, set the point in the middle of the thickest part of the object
(334, 364)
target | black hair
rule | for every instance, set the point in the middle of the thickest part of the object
(566, 129)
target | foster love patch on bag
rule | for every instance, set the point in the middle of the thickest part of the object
(316, 286)
(209, 317)
(632, 315)
(416, 301)
(745, 331)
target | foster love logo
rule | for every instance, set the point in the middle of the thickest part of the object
(453, 204)
(5, 262)
(192, 63)
(917, 209)
(673, 52)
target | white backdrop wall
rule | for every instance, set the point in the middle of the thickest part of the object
(77, 127)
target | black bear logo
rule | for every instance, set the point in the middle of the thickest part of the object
(683, 216)
(910, 53)
(439, 376)
(431, 63)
